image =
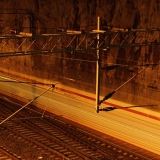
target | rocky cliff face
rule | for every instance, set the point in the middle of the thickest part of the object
(82, 15)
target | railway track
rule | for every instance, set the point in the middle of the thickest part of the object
(30, 135)
(7, 155)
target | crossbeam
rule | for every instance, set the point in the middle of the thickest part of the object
(75, 41)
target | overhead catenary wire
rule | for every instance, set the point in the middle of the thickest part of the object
(26, 82)
(52, 86)
(94, 61)
(111, 93)
(113, 108)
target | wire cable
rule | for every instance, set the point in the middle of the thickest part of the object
(52, 86)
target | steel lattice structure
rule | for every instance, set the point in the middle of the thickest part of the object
(76, 41)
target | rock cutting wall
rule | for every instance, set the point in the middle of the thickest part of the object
(82, 15)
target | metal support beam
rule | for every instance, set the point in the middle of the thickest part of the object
(54, 43)
(97, 68)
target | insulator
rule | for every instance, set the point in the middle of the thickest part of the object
(14, 31)
(61, 29)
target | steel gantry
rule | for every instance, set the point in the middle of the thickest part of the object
(76, 41)
(22, 44)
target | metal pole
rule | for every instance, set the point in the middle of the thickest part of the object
(97, 68)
